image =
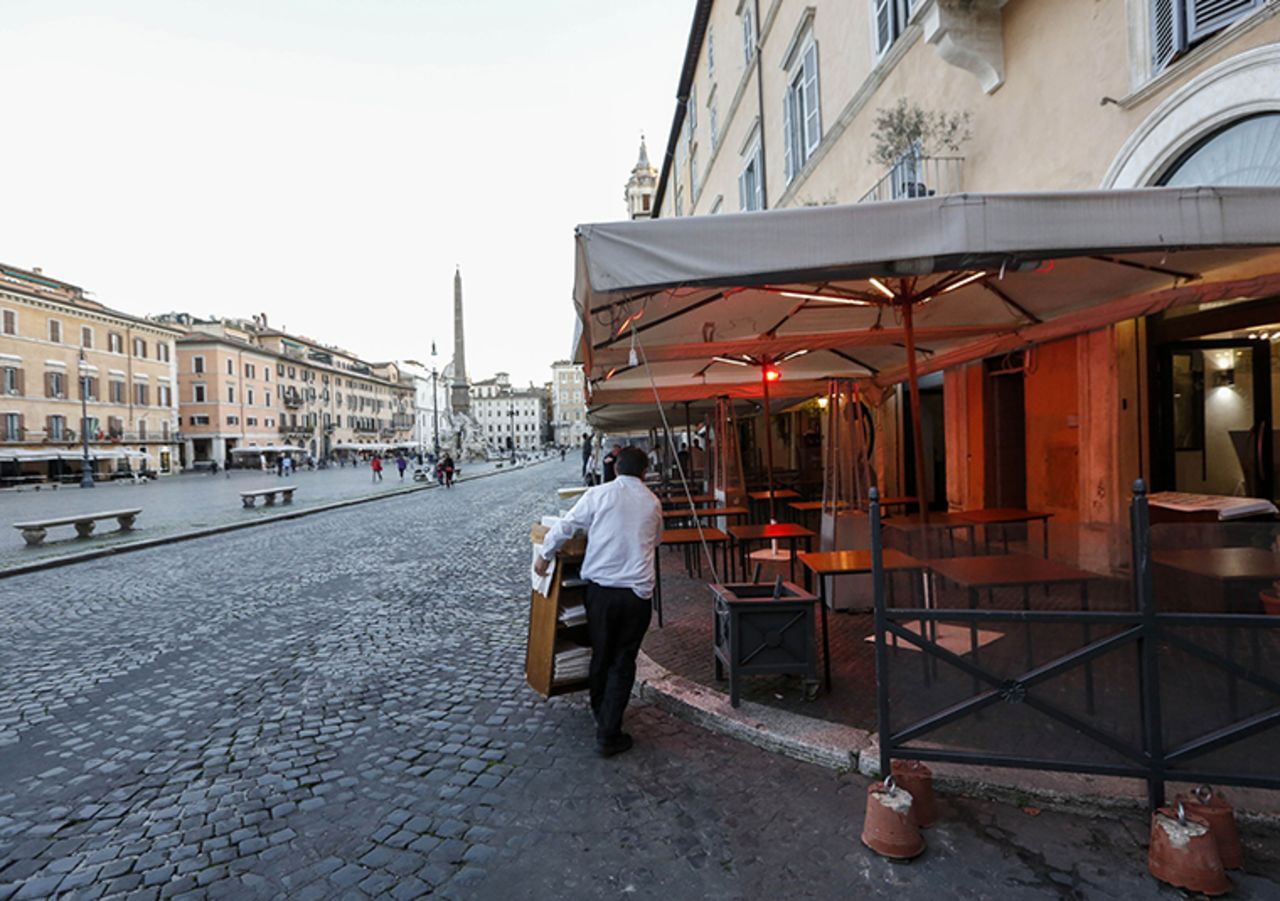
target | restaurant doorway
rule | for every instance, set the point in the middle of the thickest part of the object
(932, 440)
(1005, 426)
(1213, 425)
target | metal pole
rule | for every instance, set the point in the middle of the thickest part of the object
(435, 413)
(86, 468)
(1149, 674)
(511, 411)
(768, 441)
(913, 380)
(880, 624)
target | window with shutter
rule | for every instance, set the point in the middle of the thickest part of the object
(748, 34)
(812, 117)
(86, 336)
(1177, 25)
(1204, 17)
(801, 118)
(10, 322)
(55, 331)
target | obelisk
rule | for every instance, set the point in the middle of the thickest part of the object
(460, 398)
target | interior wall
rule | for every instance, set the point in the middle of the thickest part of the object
(1227, 409)
(1053, 429)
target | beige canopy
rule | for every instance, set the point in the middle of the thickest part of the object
(841, 290)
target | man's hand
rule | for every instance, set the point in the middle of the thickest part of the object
(540, 566)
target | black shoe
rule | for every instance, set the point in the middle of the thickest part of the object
(614, 745)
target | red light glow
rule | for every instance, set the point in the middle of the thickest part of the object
(771, 374)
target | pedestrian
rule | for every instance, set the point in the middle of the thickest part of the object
(586, 454)
(213, 467)
(623, 522)
(375, 463)
(440, 473)
(562, 453)
(610, 460)
(279, 465)
(401, 463)
(448, 471)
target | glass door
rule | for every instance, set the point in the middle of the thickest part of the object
(1214, 430)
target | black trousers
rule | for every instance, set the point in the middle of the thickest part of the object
(617, 619)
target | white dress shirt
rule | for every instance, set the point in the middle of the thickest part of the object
(623, 522)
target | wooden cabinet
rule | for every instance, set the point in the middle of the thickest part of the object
(559, 647)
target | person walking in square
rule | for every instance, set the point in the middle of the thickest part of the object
(401, 464)
(375, 463)
(623, 522)
(448, 471)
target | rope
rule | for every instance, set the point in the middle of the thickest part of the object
(684, 481)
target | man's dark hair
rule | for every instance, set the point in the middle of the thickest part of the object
(631, 462)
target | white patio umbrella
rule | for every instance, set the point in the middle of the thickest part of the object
(891, 291)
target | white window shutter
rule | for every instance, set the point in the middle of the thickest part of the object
(748, 36)
(883, 24)
(1207, 16)
(812, 107)
(1166, 32)
(757, 181)
(742, 190)
(788, 135)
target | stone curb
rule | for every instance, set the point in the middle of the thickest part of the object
(804, 738)
(846, 748)
(160, 541)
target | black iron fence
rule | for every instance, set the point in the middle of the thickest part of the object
(1169, 672)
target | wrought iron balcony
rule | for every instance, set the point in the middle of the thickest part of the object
(916, 175)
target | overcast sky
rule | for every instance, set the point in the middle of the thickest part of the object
(328, 162)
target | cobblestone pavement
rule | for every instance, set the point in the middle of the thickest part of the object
(335, 707)
(179, 503)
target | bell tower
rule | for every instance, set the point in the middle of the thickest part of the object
(641, 185)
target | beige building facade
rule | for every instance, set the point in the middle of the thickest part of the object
(245, 385)
(568, 404)
(785, 103)
(72, 366)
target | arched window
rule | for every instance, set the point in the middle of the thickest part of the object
(1246, 152)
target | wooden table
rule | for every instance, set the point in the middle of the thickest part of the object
(682, 500)
(686, 539)
(847, 563)
(902, 501)
(910, 527)
(804, 509)
(702, 514)
(1233, 571)
(975, 574)
(1003, 517)
(760, 499)
(745, 536)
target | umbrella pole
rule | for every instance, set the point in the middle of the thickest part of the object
(913, 382)
(768, 441)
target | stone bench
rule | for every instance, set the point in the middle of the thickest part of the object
(35, 531)
(268, 495)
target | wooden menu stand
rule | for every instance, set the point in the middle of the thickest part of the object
(545, 627)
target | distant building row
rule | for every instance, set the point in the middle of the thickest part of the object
(169, 392)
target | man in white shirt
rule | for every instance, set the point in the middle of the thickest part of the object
(623, 522)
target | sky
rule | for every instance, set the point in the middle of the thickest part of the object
(329, 162)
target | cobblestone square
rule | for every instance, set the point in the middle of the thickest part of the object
(334, 707)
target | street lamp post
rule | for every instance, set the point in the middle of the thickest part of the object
(435, 403)
(86, 468)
